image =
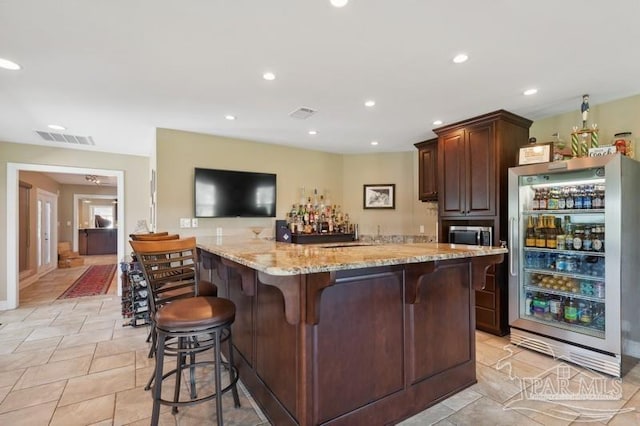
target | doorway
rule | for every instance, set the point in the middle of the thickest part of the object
(13, 169)
(47, 220)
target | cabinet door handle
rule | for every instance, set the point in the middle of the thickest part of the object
(512, 247)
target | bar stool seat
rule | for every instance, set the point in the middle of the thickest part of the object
(186, 320)
(195, 314)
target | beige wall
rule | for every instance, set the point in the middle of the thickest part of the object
(343, 176)
(38, 181)
(178, 153)
(612, 117)
(399, 168)
(136, 182)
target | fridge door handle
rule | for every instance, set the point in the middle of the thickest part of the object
(512, 247)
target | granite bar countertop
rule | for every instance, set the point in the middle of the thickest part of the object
(275, 258)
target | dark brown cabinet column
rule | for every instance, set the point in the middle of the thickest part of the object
(428, 170)
(473, 158)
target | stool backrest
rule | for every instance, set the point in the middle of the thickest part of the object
(170, 268)
(154, 237)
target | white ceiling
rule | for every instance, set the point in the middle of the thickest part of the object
(117, 70)
(80, 179)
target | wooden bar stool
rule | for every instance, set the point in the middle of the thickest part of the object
(184, 322)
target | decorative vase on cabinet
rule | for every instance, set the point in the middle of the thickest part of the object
(473, 158)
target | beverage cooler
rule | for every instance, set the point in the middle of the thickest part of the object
(574, 262)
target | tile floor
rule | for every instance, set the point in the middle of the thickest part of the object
(71, 362)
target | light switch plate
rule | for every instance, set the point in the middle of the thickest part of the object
(194, 223)
(185, 222)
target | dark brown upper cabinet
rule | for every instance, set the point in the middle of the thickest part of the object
(473, 157)
(428, 170)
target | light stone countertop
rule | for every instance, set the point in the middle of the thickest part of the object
(275, 258)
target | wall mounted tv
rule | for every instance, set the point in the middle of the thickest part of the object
(230, 193)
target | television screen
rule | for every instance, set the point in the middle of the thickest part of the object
(229, 193)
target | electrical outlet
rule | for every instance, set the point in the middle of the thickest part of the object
(422, 229)
(185, 222)
(194, 223)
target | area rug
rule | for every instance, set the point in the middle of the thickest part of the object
(94, 281)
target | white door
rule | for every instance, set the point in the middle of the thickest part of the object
(47, 231)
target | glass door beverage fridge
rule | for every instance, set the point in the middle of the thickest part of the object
(574, 263)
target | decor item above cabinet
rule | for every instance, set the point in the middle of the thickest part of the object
(473, 156)
(428, 170)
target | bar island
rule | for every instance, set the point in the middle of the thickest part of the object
(348, 333)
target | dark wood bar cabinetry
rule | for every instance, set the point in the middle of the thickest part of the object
(428, 170)
(93, 241)
(473, 159)
(365, 346)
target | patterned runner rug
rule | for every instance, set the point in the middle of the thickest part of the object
(94, 281)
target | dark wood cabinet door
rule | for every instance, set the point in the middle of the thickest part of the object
(451, 158)
(481, 170)
(428, 170)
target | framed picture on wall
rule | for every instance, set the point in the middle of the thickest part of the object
(380, 196)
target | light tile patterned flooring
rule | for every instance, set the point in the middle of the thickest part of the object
(71, 362)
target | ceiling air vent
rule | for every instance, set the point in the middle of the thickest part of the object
(302, 113)
(60, 137)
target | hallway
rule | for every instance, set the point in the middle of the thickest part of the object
(50, 286)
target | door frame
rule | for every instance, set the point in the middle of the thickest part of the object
(13, 169)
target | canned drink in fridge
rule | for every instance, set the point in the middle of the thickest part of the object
(598, 289)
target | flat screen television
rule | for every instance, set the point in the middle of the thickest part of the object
(230, 193)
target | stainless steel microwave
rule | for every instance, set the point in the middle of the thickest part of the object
(472, 235)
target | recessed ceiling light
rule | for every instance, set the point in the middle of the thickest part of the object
(374, 143)
(370, 103)
(313, 132)
(230, 117)
(269, 76)
(56, 127)
(339, 3)
(437, 122)
(9, 65)
(530, 92)
(460, 58)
